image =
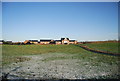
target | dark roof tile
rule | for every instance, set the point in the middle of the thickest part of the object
(57, 40)
(64, 38)
(72, 40)
(33, 40)
(45, 40)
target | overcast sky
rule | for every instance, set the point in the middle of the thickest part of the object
(75, 20)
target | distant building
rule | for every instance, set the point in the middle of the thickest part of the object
(72, 42)
(50, 41)
(57, 42)
(7, 42)
(27, 42)
(33, 41)
(45, 41)
(1, 41)
(67, 41)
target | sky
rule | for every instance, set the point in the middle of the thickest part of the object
(60, 0)
(83, 21)
(0, 31)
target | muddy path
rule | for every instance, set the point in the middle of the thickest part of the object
(98, 51)
(54, 66)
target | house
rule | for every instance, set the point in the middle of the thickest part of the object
(33, 41)
(72, 42)
(6, 42)
(1, 41)
(50, 41)
(27, 42)
(43, 41)
(58, 42)
(67, 41)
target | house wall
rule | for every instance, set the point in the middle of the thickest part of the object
(1, 42)
(65, 40)
(26, 41)
(44, 42)
(71, 42)
(54, 42)
(34, 42)
(75, 42)
(58, 43)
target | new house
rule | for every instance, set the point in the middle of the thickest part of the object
(31, 42)
(50, 41)
(62, 41)
(45, 41)
(67, 41)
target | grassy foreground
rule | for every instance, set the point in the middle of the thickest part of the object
(87, 63)
(14, 53)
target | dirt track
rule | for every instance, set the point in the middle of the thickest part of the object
(40, 68)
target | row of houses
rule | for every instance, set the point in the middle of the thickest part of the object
(50, 41)
(43, 41)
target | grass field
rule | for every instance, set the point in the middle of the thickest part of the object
(16, 53)
(12, 53)
(108, 47)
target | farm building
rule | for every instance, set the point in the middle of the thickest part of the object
(7, 42)
(72, 42)
(50, 41)
(1, 41)
(57, 42)
(62, 41)
(31, 42)
(45, 41)
(67, 41)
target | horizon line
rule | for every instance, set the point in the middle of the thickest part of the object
(70, 39)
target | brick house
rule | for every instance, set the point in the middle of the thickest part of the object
(50, 41)
(65, 41)
(31, 42)
(72, 42)
(45, 41)
(57, 42)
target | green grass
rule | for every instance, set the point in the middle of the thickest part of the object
(14, 53)
(108, 47)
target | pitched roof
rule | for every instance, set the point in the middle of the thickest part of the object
(64, 38)
(1, 40)
(57, 40)
(33, 40)
(72, 40)
(45, 40)
(9, 41)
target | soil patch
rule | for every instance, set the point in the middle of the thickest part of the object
(38, 68)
